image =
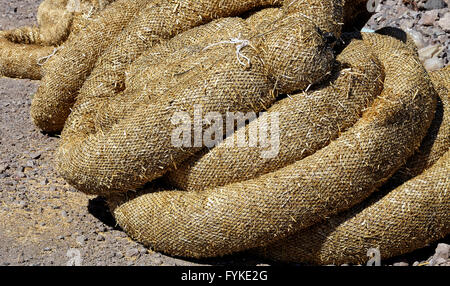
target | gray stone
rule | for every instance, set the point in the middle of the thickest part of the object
(430, 51)
(433, 64)
(22, 204)
(429, 18)
(401, 264)
(444, 22)
(118, 255)
(35, 155)
(132, 252)
(417, 38)
(20, 175)
(434, 4)
(442, 251)
(3, 168)
(81, 239)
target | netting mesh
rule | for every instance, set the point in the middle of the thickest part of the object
(362, 160)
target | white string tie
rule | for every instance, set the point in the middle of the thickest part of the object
(240, 44)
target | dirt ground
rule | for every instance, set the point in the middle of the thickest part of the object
(43, 220)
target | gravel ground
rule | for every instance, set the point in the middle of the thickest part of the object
(44, 221)
(428, 22)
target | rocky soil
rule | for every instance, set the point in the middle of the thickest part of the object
(426, 21)
(44, 221)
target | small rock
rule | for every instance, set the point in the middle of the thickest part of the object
(121, 234)
(157, 255)
(434, 4)
(417, 38)
(157, 261)
(429, 18)
(118, 255)
(430, 51)
(444, 22)
(81, 239)
(35, 155)
(101, 263)
(20, 175)
(406, 24)
(64, 214)
(416, 263)
(171, 263)
(100, 238)
(433, 64)
(3, 168)
(60, 237)
(47, 249)
(132, 252)
(22, 204)
(44, 181)
(401, 264)
(10, 183)
(442, 251)
(440, 261)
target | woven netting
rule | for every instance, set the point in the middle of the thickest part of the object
(353, 111)
(238, 67)
(25, 51)
(410, 211)
(340, 172)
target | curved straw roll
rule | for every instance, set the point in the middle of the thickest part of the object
(395, 220)
(24, 51)
(310, 121)
(347, 124)
(437, 141)
(22, 61)
(56, 20)
(260, 211)
(407, 218)
(223, 66)
(111, 41)
(134, 26)
(68, 69)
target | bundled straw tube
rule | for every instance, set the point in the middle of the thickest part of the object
(260, 211)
